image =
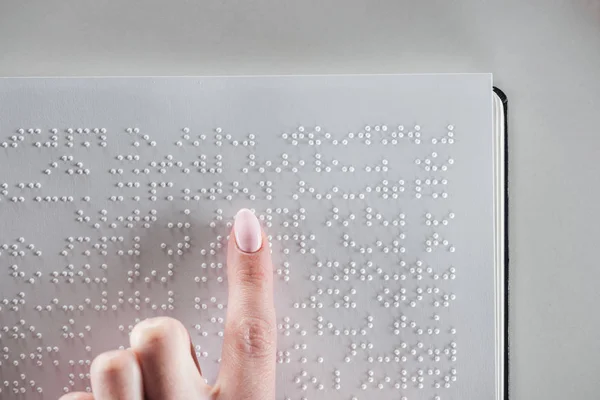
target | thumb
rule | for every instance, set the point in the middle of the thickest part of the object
(249, 346)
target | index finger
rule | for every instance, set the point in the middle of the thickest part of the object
(249, 346)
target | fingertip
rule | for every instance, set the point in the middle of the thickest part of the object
(162, 346)
(77, 396)
(116, 374)
(247, 231)
(158, 333)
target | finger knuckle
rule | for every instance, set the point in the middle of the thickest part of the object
(156, 332)
(255, 337)
(112, 364)
(251, 274)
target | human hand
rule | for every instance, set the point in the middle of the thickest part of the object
(161, 363)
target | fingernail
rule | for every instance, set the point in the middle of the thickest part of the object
(247, 231)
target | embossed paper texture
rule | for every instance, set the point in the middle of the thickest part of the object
(117, 196)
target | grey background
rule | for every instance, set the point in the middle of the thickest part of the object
(544, 54)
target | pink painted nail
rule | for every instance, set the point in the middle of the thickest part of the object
(247, 231)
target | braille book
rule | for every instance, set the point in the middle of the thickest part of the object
(383, 197)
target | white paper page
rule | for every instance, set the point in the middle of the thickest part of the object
(116, 195)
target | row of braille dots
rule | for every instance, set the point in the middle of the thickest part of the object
(13, 303)
(199, 305)
(183, 247)
(304, 380)
(448, 138)
(419, 183)
(212, 249)
(87, 304)
(215, 167)
(135, 274)
(186, 137)
(430, 220)
(155, 186)
(21, 387)
(393, 138)
(404, 323)
(82, 377)
(352, 269)
(128, 222)
(401, 354)
(22, 358)
(18, 199)
(137, 302)
(401, 384)
(387, 190)
(319, 164)
(56, 199)
(15, 249)
(69, 274)
(428, 165)
(22, 186)
(416, 380)
(145, 137)
(393, 247)
(268, 165)
(70, 132)
(344, 300)
(418, 269)
(312, 301)
(330, 194)
(15, 273)
(68, 333)
(335, 216)
(235, 189)
(101, 247)
(321, 167)
(386, 297)
(434, 354)
(18, 331)
(20, 274)
(396, 248)
(287, 327)
(322, 325)
(53, 142)
(219, 136)
(301, 135)
(163, 166)
(211, 193)
(390, 294)
(54, 303)
(435, 240)
(79, 170)
(300, 239)
(383, 166)
(296, 218)
(385, 248)
(314, 137)
(284, 356)
(418, 352)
